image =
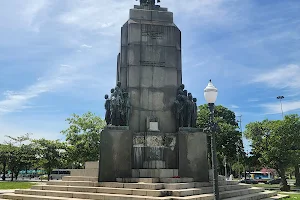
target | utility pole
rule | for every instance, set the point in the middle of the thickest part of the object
(280, 99)
(241, 128)
(240, 121)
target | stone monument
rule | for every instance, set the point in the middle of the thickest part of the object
(151, 117)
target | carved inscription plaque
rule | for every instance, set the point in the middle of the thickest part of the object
(153, 64)
(152, 34)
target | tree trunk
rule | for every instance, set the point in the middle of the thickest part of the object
(4, 171)
(284, 184)
(48, 173)
(297, 175)
(16, 175)
(12, 176)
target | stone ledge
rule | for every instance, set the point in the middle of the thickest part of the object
(121, 128)
(190, 130)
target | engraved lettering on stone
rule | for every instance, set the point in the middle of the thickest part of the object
(154, 141)
(153, 34)
(153, 64)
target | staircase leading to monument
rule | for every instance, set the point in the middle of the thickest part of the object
(77, 188)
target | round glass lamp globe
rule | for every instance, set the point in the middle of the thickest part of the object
(210, 93)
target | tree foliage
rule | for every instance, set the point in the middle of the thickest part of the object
(276, 143)
(83, 138)
(49, 154)
(228, 137)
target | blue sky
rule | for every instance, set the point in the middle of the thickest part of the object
(58, 57)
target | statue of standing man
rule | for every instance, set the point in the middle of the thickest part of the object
(107, 108)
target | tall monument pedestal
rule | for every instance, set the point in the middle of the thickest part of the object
(193, 154)
(152, 100)
(115, 153)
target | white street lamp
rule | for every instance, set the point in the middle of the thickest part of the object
(210, 95)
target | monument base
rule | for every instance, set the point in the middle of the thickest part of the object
(154, 173)
(115, 153)
(193, 154)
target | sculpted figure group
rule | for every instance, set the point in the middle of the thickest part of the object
(117, 107)
(148, 2)
(185, 108)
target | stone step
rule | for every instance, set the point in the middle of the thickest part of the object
(85, 195)
(176, 180)
(138, 180)
(32, 197)
(80, 178)
(73, 183)
(236, 195)
(126, 191)
(155, 180)
(207, 190)
(153, 186)
(176, 186)
(255, 196)
(150, 186)
(141, 192)
(79, 195)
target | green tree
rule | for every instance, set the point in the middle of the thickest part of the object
(4, 152)
(49, 154)
(15, 163)
(83, 138)
(22, 156)
(276, 142)
(228, 138)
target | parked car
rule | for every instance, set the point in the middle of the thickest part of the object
(274, 181)
(249, 181)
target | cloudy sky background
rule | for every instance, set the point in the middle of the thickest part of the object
(58, 57)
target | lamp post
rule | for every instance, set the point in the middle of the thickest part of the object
(210, 95)
(280, 99)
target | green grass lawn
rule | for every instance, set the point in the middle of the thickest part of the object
(15, 185)
(267, 186)
(294, 197)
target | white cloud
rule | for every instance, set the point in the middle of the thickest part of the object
(234, 106)
(253, 100)
(31, 11)
(86, 46)
(17, 100)
(286, 77)
(106, 16)
(15, 131)
(275, 108)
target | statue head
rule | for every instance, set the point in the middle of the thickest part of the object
(119, 84)
(185, 92)
(106, 96)
(182, 86)
(195, 100)
(112, 90)
(190, 96)
(125, 94)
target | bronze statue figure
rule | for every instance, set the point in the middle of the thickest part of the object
(185, 108)
(126, 110)
(190, 110)
(107, 108)
(118, 108)
(148, 2)
(195, 113)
